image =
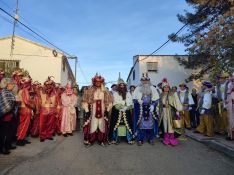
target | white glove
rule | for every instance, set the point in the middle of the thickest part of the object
(152, 108)
(124, 109)
(202, 111)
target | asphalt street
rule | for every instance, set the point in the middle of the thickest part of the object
(69, 156)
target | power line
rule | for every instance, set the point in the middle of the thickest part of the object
(173, 36)
(41, 37)
(6, 19)
(34, 32)
(10, 8)
(26, 21)
(82, 72)
(164, 44)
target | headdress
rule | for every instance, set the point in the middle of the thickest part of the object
(145, 77)
(36, 83)
(5, 82)
(113, 85)
(120, 80)
(26, 79)
(17, 72)
(207, 84)
(182, 84)
(165, 83)
(98, 78)
(69, 90)
(49, 81)
(223, 75)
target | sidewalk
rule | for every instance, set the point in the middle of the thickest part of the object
(217, 142)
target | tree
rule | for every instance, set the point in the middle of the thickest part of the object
(209, 37)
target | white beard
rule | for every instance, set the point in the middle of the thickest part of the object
(145, 89)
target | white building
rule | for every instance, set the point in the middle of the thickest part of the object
(40, 61)
(158, 67)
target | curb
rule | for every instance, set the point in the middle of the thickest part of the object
(227, 150)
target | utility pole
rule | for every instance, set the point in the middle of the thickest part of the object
(76, 61)
(15, 22)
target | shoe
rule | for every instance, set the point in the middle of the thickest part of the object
(166, 139)
(42, 140)
(173, 140)
(51, 138)
(70, 134)
(228, 138)
(5, 151)
(151, 142)
(103, 144)
(20, 143)
(139, 143)
(196, 132)
(87, 145)
(27, 142)
(64, 135)
(12, 147)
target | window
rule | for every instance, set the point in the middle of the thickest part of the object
(133, 75)
(9, 65)
(152, 66)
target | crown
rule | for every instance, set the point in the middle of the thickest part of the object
(145, 77)
(165, 83)
(120, 80)
(49, 81)
(26, 79)
(98, 78)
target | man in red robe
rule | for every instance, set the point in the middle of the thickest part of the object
(25, 110)
(97, 102)
(17, 76)
(48, 111)
(58, 119)
(36, 117)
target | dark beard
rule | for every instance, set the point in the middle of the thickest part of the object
(122, 92)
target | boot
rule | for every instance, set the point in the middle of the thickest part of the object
(173, 140)
(5, 151)
(20, 143)
(166, 140)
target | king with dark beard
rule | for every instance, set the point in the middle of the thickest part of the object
(121, 119)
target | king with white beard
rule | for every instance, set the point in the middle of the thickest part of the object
(145, 99)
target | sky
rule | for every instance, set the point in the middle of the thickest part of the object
(103, 34)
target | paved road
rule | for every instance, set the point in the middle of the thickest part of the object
(69, 156)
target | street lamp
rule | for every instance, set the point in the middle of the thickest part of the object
(73, 57)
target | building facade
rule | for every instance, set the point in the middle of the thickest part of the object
(40, 61)
(159, 67)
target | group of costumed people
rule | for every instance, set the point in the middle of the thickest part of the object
(144, 113)
(27, 107)
(147, 112)
(134, 115)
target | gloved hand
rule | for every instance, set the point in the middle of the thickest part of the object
(202, 111)
(152, 108)
(124, 108)
(87, 114)
(106, 113)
